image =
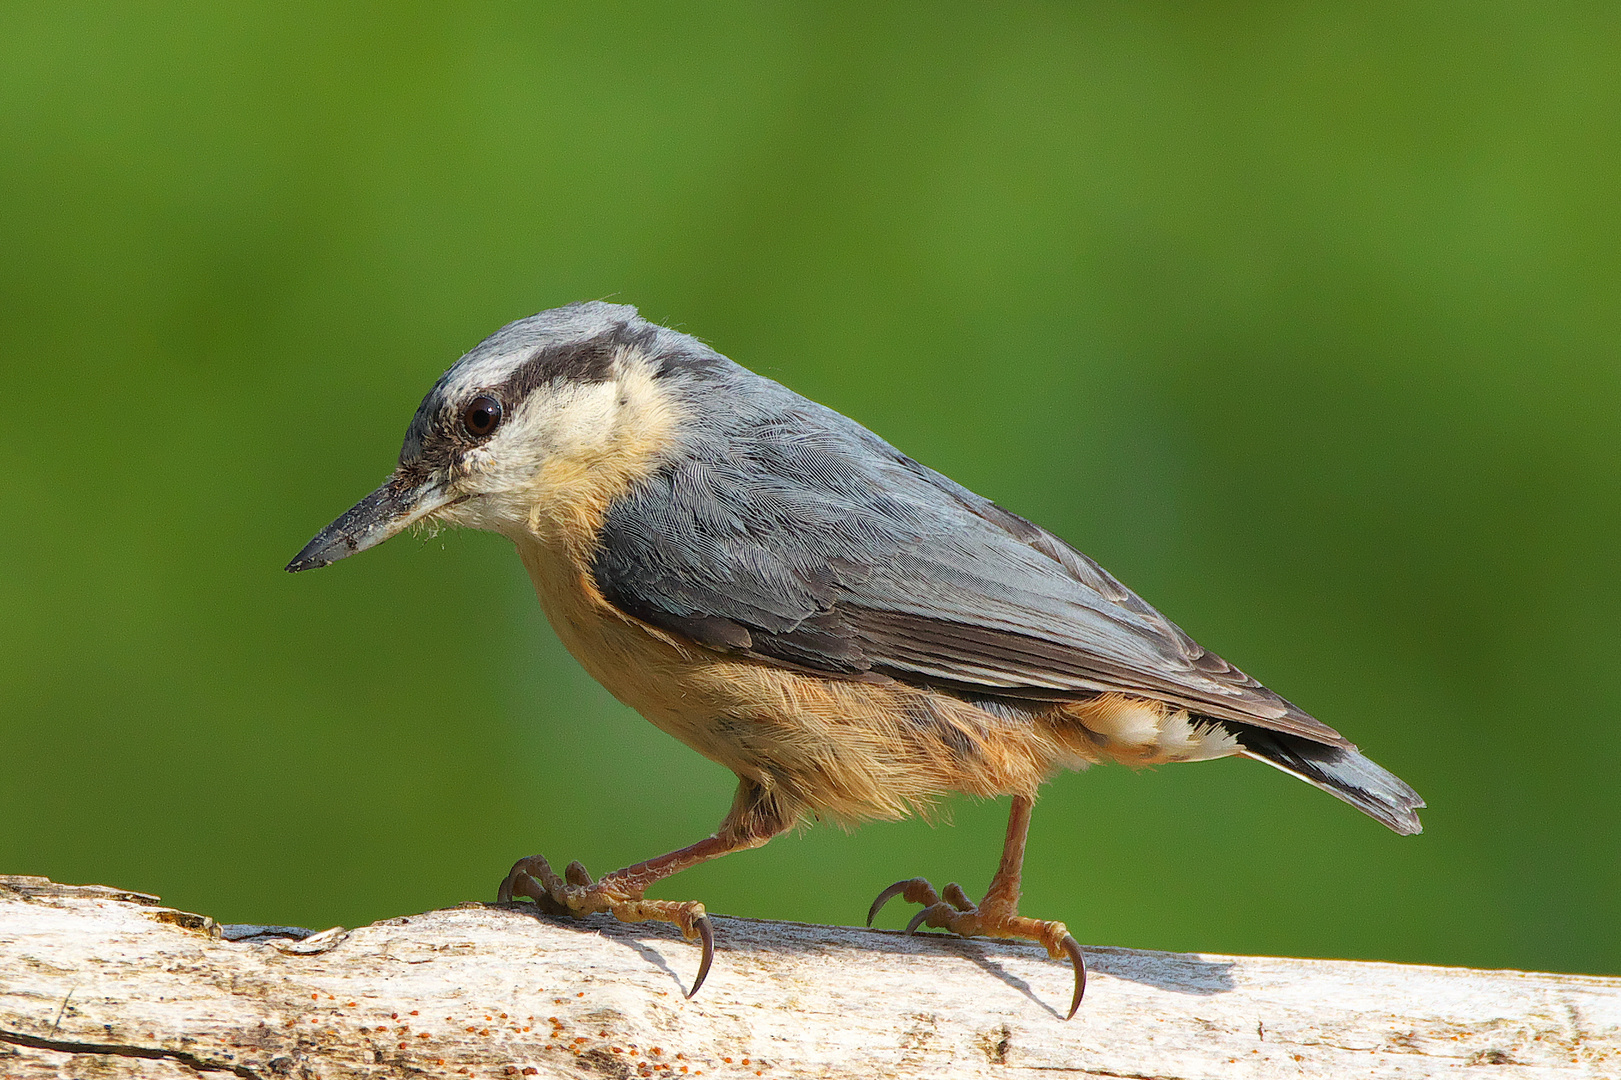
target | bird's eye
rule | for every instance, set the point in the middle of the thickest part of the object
(482, 415)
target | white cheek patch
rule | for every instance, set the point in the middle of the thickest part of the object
(479, 459)
(563, 452)
(565, 423)
(577, 420)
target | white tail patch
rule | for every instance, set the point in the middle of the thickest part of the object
(1140, 731)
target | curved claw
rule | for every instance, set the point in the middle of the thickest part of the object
(885, 897)
(520, 883)
(917, 921)
(897, 889)
(707, 932)
(503, 895)
(1072, 949)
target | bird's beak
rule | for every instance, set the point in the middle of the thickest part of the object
(378, 516)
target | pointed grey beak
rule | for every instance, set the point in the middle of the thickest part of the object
(380, 515)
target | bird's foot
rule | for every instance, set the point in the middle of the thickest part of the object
(575, 894)
(996, 917)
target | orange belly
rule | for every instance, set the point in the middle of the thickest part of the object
(847, 749)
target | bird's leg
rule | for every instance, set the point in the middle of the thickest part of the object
(997, 915)
(754, 819)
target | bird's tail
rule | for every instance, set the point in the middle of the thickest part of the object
(1339, 770)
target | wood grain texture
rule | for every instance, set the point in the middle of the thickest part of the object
(99, 982)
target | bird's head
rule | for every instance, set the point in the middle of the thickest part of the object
(534, 430)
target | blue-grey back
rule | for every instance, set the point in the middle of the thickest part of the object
(780, 528)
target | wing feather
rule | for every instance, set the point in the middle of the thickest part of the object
(785, 531)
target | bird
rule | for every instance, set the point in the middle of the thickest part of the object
(851, 633)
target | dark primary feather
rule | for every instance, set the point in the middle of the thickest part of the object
(784, 530)
(1340, 771)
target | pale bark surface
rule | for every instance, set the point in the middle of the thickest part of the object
(97, 982)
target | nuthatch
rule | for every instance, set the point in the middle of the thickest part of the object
(851, 633)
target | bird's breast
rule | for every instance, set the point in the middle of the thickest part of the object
(672, 683)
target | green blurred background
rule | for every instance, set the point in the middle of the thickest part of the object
(1303, 320)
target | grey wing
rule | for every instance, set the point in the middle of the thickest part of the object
(801, 538)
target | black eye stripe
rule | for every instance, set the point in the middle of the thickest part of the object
(482, 416)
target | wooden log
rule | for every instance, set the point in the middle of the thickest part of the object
(99, 982)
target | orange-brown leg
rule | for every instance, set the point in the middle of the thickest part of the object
(754, 819)
(997, 915)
